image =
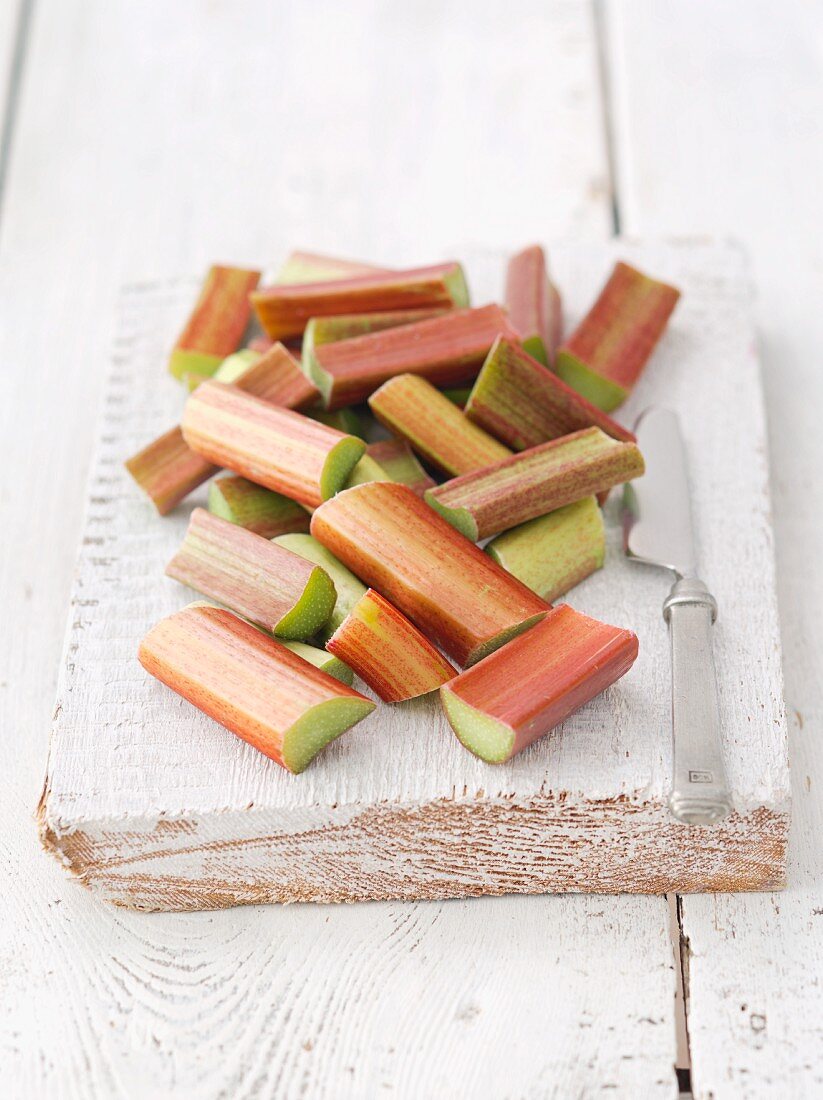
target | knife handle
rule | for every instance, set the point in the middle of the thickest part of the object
(700, 794)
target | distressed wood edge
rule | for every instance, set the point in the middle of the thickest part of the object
(447, 848)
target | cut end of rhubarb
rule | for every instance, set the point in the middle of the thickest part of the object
(322, 659)
(601, 391)
(312, 611)
(499, 640)
(183, 362)
(349, 589)
(457, 287)
(536, 348)
(235, 366)
(318, 727)
(460, 518)
(481, 734)
(340, 464)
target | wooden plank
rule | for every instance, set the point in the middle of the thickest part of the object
(139, 156)
(718, 124)
(154, 805)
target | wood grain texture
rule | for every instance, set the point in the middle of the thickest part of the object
(743, 82)
(154, 806)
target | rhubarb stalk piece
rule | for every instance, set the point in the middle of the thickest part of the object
(534, 303)
(330, 330)
(168, 470)
(284, 310)
(349, 589)
(535, 482)
(446, 350)
(261, 511)
(217, 323)
(553, 553)
(604, 356)
(275, 376)
(396, 457)
(516, 695)
(367, 470)
(311, 267)
(272, 446)
(389, 652)
(324, 660)
(523, 404)
(461, 600)
(251, 684)
(261, 581)
(410, 406)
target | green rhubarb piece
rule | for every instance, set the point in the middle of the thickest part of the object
(601, 391)
(367, 470)
(323, 660)
(534, 346)
(260, 510)
(183, 362)
(233, 366)
(349, 588)
(553, 553)
(341, 461)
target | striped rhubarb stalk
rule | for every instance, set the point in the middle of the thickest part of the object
(258, 510)
(396, 457)
(311, 267)
(263, 582)
(349, 589)
(533, 302)
(446, 350)
(410, 406)
(284, 310)
(330, 330)
(523, 404)
(603, 357)
(464, 602)
(535, 482)
(217, 322)
(553, 553)
(324, 660)
(274, 447)
(251, 684)
(516, 695)
(275, 377)
(389, 652)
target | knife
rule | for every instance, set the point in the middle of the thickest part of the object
(657, 526)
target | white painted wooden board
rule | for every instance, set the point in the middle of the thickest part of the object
(155, 806)
(718, 125)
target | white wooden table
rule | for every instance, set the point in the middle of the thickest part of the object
(144, 139)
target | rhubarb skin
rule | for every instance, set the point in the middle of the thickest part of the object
(276, 377)
(311, 267)
(410, 406)
(324, 660)
(553, 553)
(330, 330)
(396, 457)
(535, 482)
(534, 303)
(251, 684)
(272, 446)
(284, 310)
(168, 470)
(448, 351)
(523, 404)
(461, 600)
(256, 509)
(388, 651)
(349, 589)
(263, 582)
(217, 323)
(516, 695)
(604, 356)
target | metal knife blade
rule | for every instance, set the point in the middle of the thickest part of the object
(657, 506)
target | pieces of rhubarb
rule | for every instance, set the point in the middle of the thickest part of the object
(276, 377)
(284, 310)
(446, 350)
(217, 322)
(323, 660)
(410, 406)
(535, 482)
(311, 267)
(258, 579)
(451, 590)
(330, 330)
(367, 469)
(528, 687)
(396, 457)
(534, 303)
(524, 404)
(272, 446)
(389, 652)
(251, 684)
(349, 589)
(603, 357)
(235, 366)
(259, 510)
(553, 553)
(168, 470)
